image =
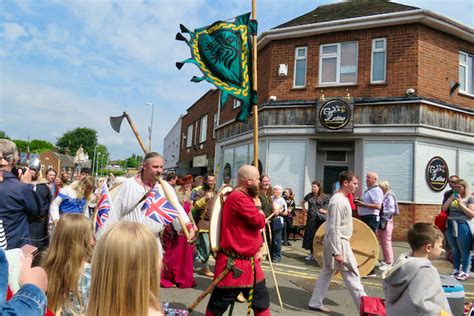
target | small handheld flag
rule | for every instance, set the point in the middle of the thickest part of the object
(103, 206)
(158, 208)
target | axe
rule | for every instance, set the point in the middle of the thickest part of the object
(229, 267)
(116, 122)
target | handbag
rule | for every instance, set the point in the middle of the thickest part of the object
(440, 220)
(383, 220)
(372, 306)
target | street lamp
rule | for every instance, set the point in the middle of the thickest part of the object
(93, 159)
(102, 163)
(151, 125)
(97, 163)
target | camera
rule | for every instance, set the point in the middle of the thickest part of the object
(16, 171)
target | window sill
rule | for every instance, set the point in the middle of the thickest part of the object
(298, 88)
(466, 94)
(378, 83)
(336, 85)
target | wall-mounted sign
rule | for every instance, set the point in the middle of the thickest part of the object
(200, 161)
(335, 115)
(437, 173)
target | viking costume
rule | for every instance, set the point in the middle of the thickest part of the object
(202, 214)
(336, 242)
(240, 240)
(127, 206)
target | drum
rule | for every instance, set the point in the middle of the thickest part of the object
(364, 244)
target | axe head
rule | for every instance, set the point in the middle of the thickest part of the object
(116, 122)
(231, 267)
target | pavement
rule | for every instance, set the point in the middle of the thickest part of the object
(296, 278)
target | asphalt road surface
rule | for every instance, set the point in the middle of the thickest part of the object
(296, 278)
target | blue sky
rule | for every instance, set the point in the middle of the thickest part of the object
(67, 64)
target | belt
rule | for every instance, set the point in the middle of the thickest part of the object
(38, 219)
(234, 255)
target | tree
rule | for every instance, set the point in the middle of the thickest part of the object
(21, 145)
(38, 145)
(72, 140)
(4, 135)
(133, 161)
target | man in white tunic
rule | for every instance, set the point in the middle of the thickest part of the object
(127, 203)
(336, 248)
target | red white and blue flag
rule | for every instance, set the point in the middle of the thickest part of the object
(103, 206)
(158, 208)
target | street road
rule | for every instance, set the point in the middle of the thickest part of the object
(296, 278)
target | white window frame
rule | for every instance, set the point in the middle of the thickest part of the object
(338, 64)
(237, 103)
(469, 67)
(378, 50)
(189, 136)
(298, 58)
(203, 130)
(214, 126)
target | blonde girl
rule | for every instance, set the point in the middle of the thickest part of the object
(67, 264)
(125, 272)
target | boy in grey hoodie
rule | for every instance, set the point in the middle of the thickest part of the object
(412, 285)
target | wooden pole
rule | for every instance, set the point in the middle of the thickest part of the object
(254, 81)
(170, 199)
(271, 268)
(135, 132)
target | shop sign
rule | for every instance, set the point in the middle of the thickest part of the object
(200, 161)
(335, 114)
(437, 173)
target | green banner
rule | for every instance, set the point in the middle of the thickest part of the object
(223, 52)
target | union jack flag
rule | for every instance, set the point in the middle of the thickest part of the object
(103, 206)
(158, 208)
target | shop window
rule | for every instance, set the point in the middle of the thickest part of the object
(203, 131)
(466, 73)
(299, 80)
(379, 60)
(338, 63)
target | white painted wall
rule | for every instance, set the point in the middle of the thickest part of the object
(423, 153)
(171, 145)
(466, 166)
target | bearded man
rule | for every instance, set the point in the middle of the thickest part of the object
(128, 202)
(241, 239)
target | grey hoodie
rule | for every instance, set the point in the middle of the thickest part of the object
(412, 286)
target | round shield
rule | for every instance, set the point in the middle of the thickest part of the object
(364, 244)
(216, 217)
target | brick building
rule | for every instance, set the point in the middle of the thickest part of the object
(364, 86)
(197, 148)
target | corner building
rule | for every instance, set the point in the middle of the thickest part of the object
(364, 86)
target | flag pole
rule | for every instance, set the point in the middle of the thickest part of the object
(254, 81)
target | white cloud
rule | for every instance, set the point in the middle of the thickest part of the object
(13, 31)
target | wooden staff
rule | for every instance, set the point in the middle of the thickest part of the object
(172, 201)
(254, 81)
(273, 271)
(135, 132)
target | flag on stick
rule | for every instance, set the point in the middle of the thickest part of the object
(158, 208)
(223, 52)
(103, 206)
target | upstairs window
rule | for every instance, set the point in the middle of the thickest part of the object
(237, 103)
(379, 60)
(338, 63)
(466, 73)
(189, 137)
(299, 80)
(203, 131)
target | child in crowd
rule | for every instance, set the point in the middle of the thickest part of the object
(67, 263)
(412, 285)
(126, 269)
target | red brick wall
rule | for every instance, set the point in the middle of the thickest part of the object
(439, 64)
(206, 105)
(411, 214)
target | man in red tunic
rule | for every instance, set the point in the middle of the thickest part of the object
(241, 240)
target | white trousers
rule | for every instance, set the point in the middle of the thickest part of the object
(351, 282)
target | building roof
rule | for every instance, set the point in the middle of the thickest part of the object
(347, 10)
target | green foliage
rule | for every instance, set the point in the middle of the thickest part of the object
(37, 145)
(4, 135)
(133, 161)
(21, 145)
(84, 136)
